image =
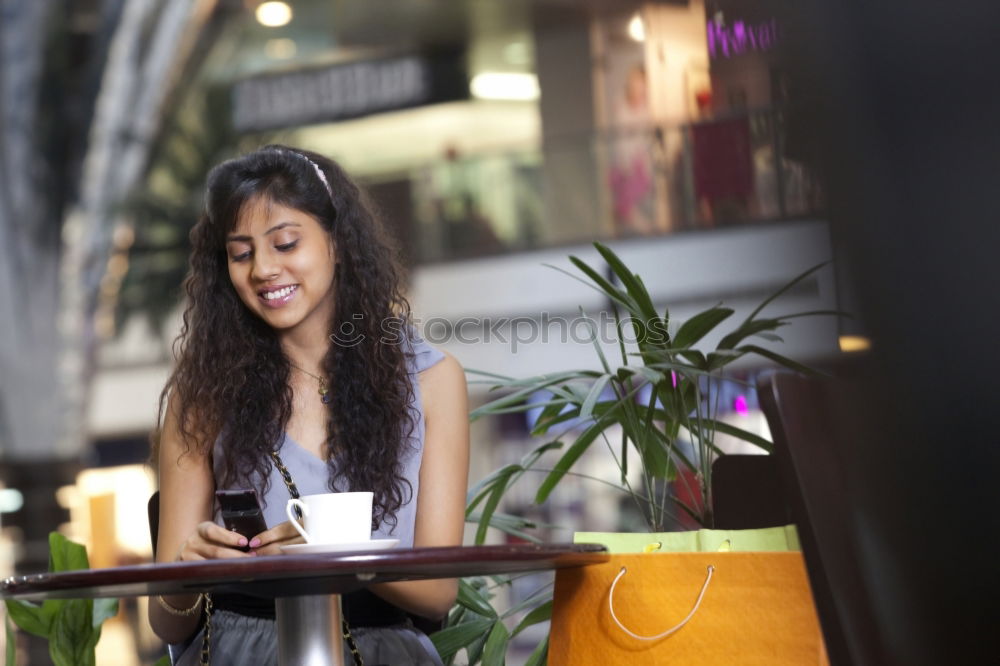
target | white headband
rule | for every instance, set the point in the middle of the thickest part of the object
(319, 173)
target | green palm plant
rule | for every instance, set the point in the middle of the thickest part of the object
(659, 402)
(676, 381)
(71, 626)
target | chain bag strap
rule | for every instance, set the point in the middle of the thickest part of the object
(293, 491)
(206, 641)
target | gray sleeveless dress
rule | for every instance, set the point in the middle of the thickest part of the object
(250, 641)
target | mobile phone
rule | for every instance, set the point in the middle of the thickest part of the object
(241, 512)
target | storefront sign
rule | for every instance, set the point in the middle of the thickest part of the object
(345, 91)
(726, 41)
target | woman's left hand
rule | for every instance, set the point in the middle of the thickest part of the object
(271, 540)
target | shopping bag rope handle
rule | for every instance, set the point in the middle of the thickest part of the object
(697, 603)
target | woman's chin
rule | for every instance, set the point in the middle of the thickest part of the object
(279, 320)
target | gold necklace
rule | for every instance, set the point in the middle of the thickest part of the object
(324, 390)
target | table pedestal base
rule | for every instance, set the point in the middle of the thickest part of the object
(309, 631)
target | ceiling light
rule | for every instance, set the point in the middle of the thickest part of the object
(505, 85)
(273, 14)
(637, 29)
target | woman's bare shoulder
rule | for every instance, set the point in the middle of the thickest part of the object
(445, 375)
(181, 431)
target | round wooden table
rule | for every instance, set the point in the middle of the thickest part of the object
(306, 588)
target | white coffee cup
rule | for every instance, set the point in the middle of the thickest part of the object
(333, 517)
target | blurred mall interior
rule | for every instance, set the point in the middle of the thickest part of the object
(496, 138)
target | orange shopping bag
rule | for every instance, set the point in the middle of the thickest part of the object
(741, 608)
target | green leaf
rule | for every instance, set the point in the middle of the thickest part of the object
(667, 444)
(104, 609)
(782, 360)
(640, 430)
(655, 460)
(475, 649)
(505, 520)
(554, 379)
(657, 334)
(649, 374)
(72, 626)
(679, 368)
(698, 326)
(482, 489)
(496, 645)
(455, 615)
(551, 410)
(485, 488)
(452, 639)
(511, 525)
(595, 340)
(518, 399)
(501, 580)
(632, 282)
(595, 392)
(623, 457)
(746, 436)
(539, 597)
(539, 655)
(568, 415)
(690, 511)
(71, 635)
(747, 329)
(491, 505)
(163, 661)
(788, 286)
(542, 613)
(608, 289)
(475, 600)
(31, 617)
(569, 458)
(695, 358)
(532, 457)
(66, 555)
(492, 375)
(720, 359)
(518, 408)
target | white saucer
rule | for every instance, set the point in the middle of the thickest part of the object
(320, 548)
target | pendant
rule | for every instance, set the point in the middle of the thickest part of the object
(324, 395)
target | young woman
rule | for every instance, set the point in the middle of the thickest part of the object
(296, 352)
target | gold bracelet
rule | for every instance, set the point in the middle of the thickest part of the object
(180, 612)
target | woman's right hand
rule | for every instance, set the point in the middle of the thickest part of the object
(210, 541)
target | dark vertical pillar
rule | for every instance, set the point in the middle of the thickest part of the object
(900, 100)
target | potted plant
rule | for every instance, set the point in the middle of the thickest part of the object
(71, 626)
(658, 397)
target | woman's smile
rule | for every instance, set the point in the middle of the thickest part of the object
(276, 297)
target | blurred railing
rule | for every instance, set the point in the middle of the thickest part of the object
(641, 181)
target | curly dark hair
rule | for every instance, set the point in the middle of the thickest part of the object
(231, 380)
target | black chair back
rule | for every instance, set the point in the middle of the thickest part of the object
(153, 514)
(807, 449)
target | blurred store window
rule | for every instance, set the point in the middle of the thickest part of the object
(437, 109)
(108, 513)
